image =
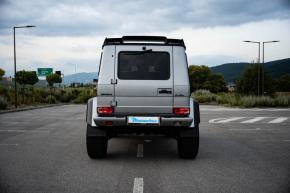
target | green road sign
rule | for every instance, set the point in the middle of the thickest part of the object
(44, 71)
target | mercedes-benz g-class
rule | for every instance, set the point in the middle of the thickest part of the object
(143, 87)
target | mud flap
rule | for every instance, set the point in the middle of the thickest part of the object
(189, 132)
(95, 131)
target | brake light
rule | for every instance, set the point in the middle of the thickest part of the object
(181, 110)
(105, 110)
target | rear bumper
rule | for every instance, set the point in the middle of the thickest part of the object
(94, 120)
(164, 121)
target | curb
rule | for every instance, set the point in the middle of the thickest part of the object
(29, 108)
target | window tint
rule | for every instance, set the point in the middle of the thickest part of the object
(146, 65)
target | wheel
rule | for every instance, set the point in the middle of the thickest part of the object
(188, 146)
(96, 145)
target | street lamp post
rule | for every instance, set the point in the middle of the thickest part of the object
(263, 74)
(259, 43)
(15, 85)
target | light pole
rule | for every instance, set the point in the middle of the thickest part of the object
(15, 85)
(259, 43)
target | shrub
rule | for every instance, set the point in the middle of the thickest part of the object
(3, 91)
(255, 101)
(75, 93)
(57, 94)
(66, 97)
(222, 98)
(82, 98)
(50, 99)
(37, 97)
(228, 98)
(3, 103)
(282, 101)
(44, 92)
(204, 96)
(84, 95)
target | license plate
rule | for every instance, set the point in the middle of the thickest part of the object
(144, 120)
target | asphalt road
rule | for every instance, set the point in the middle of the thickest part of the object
(43, 150)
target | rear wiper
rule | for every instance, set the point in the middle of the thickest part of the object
(141, 52)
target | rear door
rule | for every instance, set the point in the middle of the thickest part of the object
(143, 80)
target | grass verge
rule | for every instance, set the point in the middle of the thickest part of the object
(233, 99)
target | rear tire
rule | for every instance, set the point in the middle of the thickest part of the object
(96, 145)
(188, 146)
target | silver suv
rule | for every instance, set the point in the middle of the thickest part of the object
(143, 87)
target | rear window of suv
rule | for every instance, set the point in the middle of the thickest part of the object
(143, 65)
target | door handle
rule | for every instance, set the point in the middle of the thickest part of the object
(165, 91)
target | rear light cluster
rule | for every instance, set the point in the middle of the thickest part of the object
(105, 110)
(176, 110)
(181, 111)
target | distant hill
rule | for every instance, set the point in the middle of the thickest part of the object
(278, 67)
(83, 77)
(232, 71)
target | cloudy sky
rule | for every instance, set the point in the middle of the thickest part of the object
(69, 33)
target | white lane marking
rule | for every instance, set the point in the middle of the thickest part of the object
(8, 144)
(255, 129)
(138, 185)
(249, 119)
(239, 109)
(147, 140)
(229, 119)
(256, 119)
(272, 140)
(215, 120)
(278, 120)
(140, 151)
(23, 131)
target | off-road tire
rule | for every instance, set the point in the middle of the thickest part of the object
(96, 145)
(188, 146)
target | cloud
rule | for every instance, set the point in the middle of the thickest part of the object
(205, 46)
(64, 18)
(72, 32)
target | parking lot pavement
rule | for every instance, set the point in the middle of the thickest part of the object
(241, 150)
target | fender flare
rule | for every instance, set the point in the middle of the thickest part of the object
(91, 111)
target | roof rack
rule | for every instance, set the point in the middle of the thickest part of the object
(141, 40)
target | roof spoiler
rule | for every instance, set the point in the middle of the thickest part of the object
(159, 40)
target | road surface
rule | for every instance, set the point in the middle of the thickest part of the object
(241, 150)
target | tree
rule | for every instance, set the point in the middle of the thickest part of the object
(201, 77)
(26, 78)
(217, 83)
(248, 82)
(2, 72)
(282, 84)
(52, 79)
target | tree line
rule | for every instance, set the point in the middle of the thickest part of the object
(25, 78)
(253, 81)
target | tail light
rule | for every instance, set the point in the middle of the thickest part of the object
(105, 110)
(181, 111)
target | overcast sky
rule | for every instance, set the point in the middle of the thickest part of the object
(70, 33)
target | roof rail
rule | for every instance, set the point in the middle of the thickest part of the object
(139, 40)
